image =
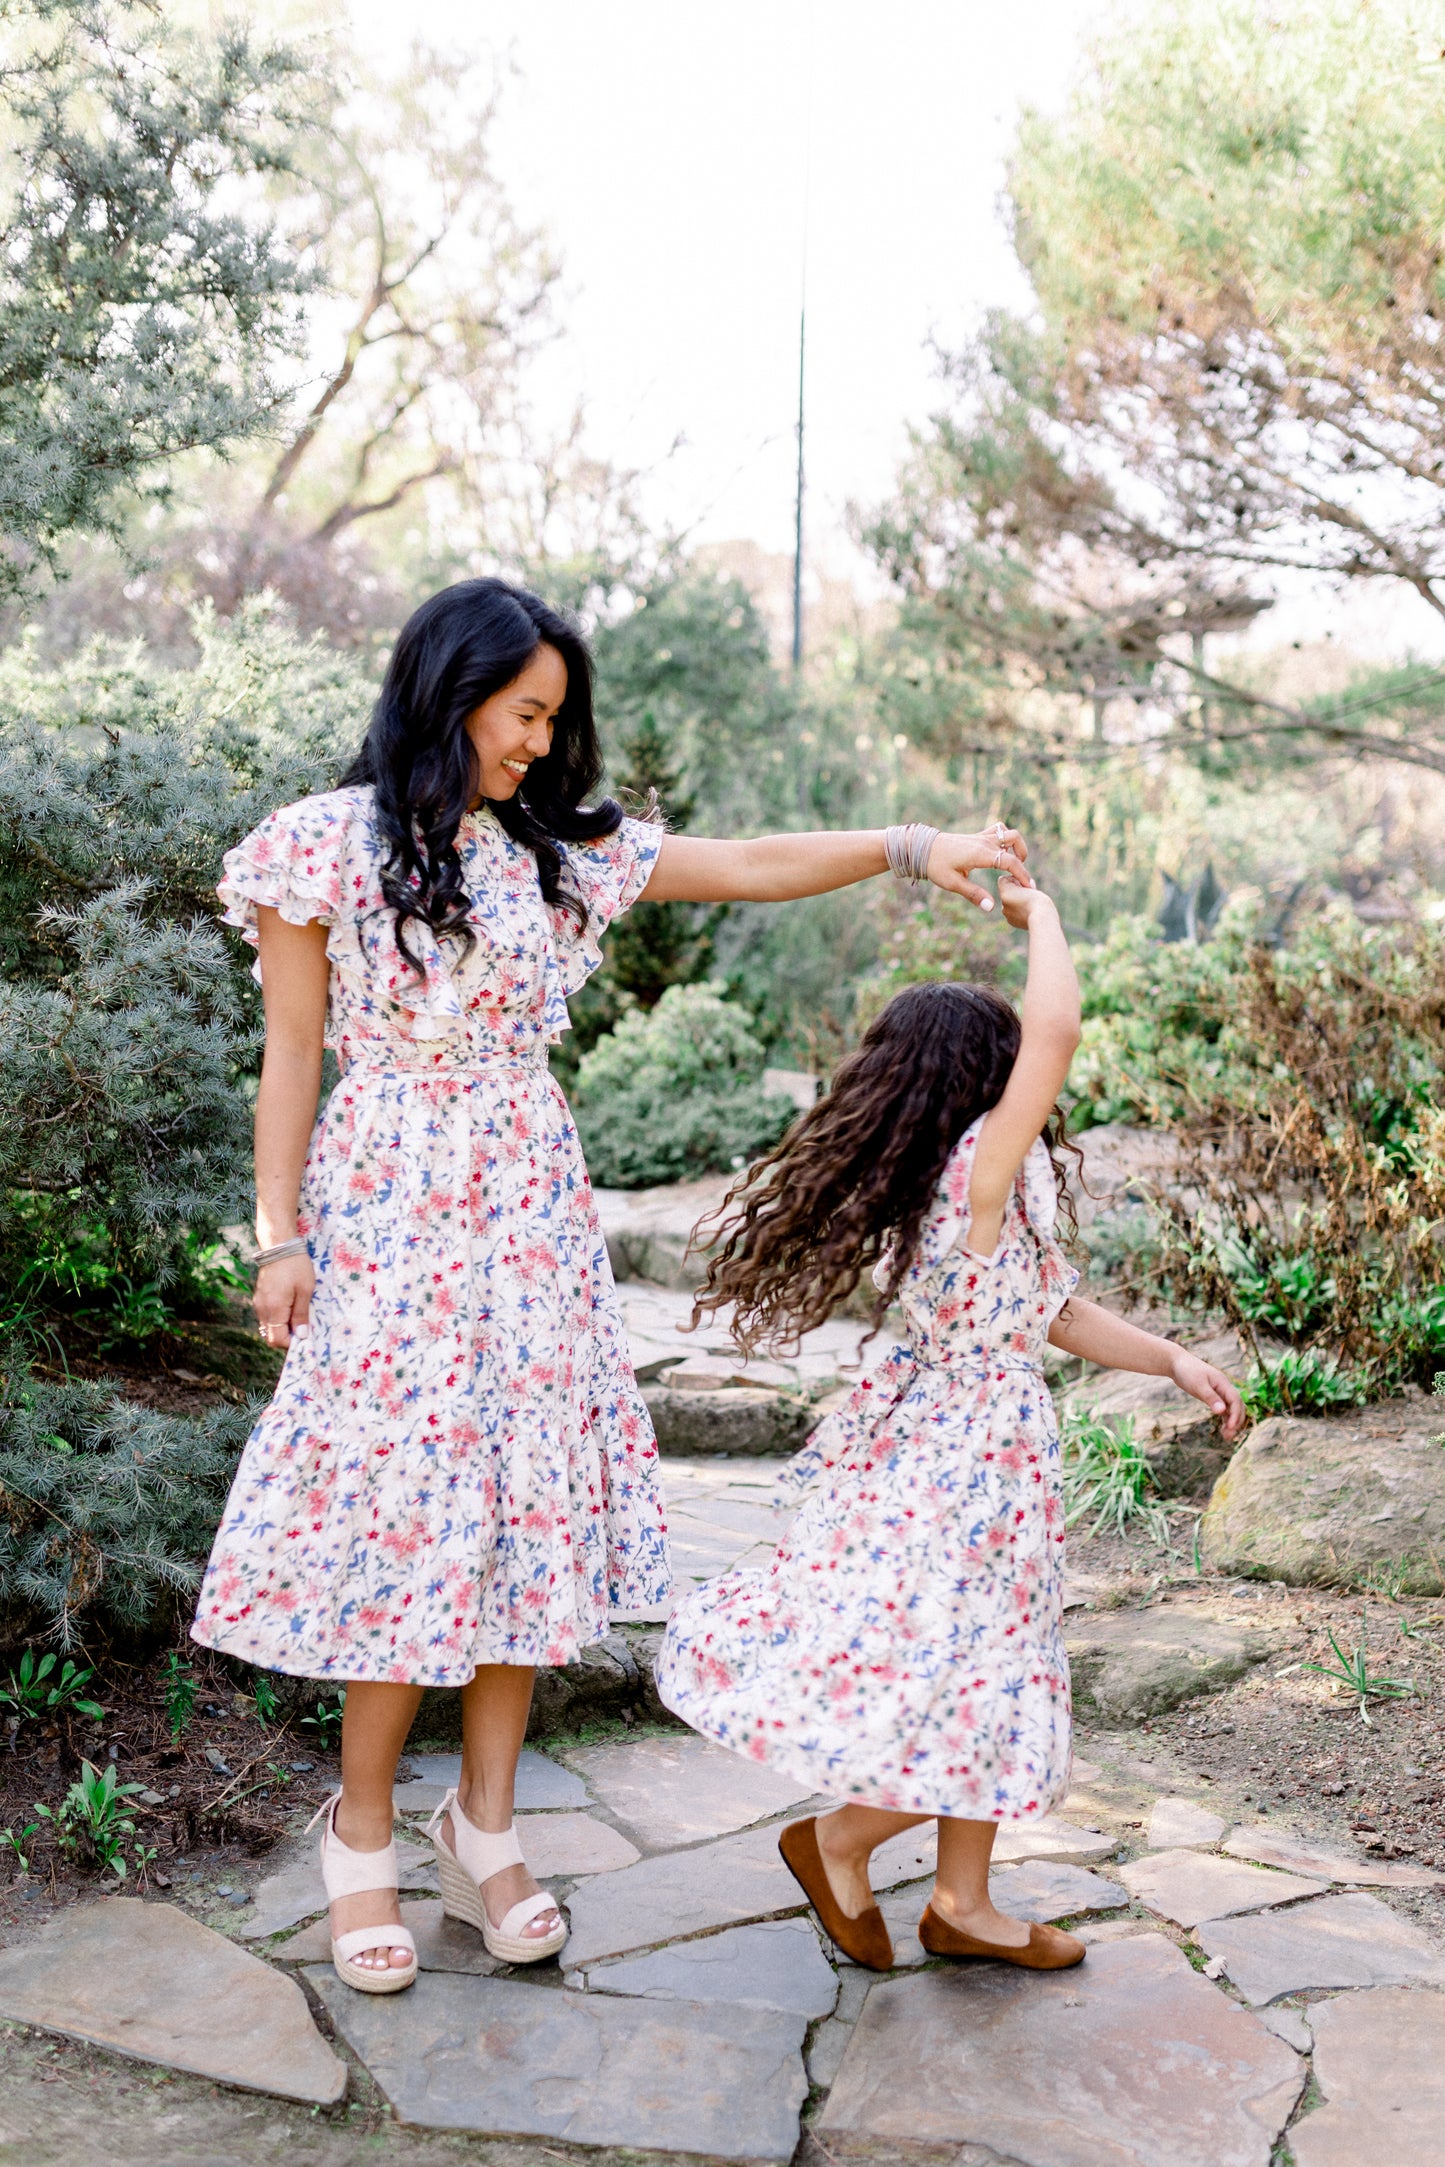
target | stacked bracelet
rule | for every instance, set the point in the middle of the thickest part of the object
(292, 1248)
(908, 850)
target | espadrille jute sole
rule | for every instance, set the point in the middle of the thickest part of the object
(462, 1899)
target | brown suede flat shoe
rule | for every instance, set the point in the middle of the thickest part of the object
(1048, 1948)
(865, 1938)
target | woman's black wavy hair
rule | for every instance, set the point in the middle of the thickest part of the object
(454, 652)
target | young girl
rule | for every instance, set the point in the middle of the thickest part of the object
(457, 1475)
(903, 1650)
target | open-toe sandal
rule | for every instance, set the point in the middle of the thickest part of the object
(357, 1873)
(865, 1938)
(1048, 1948)
(462, 1871)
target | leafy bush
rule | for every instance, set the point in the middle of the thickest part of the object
(1307, 1085)
(1304, 1384)
(676, 1092)
(128, 1021)
(107, 1508)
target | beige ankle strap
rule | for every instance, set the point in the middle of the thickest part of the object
(479, 1851)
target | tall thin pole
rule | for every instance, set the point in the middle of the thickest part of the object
(798, 506)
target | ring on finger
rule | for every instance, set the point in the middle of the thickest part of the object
(998, 859)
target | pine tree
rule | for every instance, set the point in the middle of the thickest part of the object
(668, 944)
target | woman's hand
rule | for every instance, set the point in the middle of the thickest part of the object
(998, 849)
(1022, 905)
(282, 1300)
(1202, 1381)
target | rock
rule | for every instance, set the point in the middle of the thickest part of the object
(1278, 1847)
(144, 1979)
(542, 1783)
(716, 1372)
(442, 1944)
(1187, 1886)
(1317, 1502)
(775, 1965)
(1180, 1439)
(1131, 2060)
(1140, 1663)
(565, 1845)
(1092, 1930)
(662, 1899)
(678, 1790)
(1052, 1838)
(297, 1892)
(607, 1678)
(1286, 2024)
(506, 2058)
(1044, 1890)
(1179, 1824)
(1378, 2063)
(743, 1421)
(1340, 1941)
(649, 1231)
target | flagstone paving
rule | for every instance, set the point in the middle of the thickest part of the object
(699, 2001)
(1132, 2059)
(149, 1982)
(1188, 1886)
(1340, 1941)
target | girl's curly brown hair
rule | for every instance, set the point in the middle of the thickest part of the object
(854, 1177)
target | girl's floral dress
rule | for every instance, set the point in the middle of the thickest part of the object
(904, 1646)
(457, 1467)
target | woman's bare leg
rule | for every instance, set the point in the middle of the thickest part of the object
(495, 1705)
(960, 1893)
(374, 1725)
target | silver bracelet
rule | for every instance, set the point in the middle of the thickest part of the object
(273, 1255)
(908, 850)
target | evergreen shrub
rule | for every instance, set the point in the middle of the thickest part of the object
(129, 1023)
(107, 1508)
(676, 1092)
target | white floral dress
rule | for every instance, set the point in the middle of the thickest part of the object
(457, 1467)
(904, 1647)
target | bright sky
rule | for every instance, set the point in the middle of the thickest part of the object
(676, 153)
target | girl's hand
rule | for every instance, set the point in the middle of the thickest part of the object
(998, 849)
(1202, 1381)
(1022, 905)
(282, 1300)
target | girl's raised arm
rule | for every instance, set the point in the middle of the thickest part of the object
(1050, 1036)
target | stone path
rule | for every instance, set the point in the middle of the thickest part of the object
(698, 2011)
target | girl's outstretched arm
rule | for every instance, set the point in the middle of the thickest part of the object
(1083, 1328)
(779, 868)
(1050, 1035)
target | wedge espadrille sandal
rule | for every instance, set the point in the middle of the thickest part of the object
(356, 1873)
(462, 1872)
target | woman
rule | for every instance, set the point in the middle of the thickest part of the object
(457, 1476)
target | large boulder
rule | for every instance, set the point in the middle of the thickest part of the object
(740, 1421)
(1324, 1501)
(648, 1231)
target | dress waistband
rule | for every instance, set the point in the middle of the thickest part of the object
(981, 1360)
(378, 1060)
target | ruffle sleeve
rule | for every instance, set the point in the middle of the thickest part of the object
(950, 1213)
(608, 875)
(290, 864)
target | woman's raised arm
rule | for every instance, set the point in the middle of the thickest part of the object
(779, 868)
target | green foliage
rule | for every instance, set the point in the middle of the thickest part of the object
(1231, 367)
(107, 1508)
(675, 1093)
(178, 1681)
(263, 1696)
(1108, 1476)
(16, 1843)
(1307, 1383)
(33, 1690)
(128, 1021)
(1305, 1085)
(326, 1719)
(92, 1823)
(142, 309)
(1354, 1673)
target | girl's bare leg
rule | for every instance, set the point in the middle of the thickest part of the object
(850, 1834)
(960, 1893)
(495, 1705)
(847, 1838)
(374, 1725)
